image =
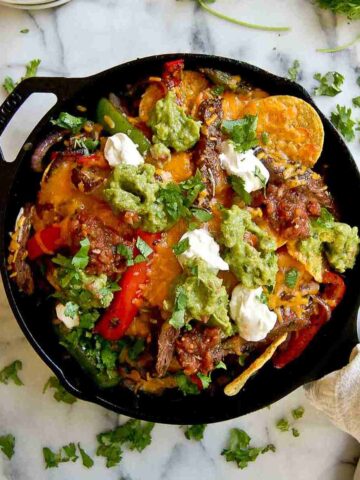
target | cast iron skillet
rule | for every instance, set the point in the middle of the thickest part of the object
(18, 184)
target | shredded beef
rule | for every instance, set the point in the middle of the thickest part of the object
(166, 346)
(199, 350)
(206, 155)
(103, 241)
(86, 179)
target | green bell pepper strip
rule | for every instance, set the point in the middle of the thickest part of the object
(121, 124)
(87, 364)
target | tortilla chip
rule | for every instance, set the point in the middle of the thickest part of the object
(313, 263)
(295, 131)
(234, 387)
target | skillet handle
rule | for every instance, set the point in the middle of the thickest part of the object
(62, 87)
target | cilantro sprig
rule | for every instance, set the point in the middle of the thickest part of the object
(7, 445)
(69, 122)
(329, 84)
(242, 132)
(177, 319)
(133, 434)
(195, 432)
(294, 71)
(31, 69)
(240, 451)
(10, 373)
(60, 394)
(343, 121)
(67, 453)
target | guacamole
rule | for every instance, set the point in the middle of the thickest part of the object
(252, 265)
(206, 295)
(171, 126)
(338, 241)
(134, 189)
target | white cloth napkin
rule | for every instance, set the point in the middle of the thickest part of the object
(338, 396)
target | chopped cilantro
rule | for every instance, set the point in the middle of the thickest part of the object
(346, 7)
(260, 176)
(71, 309)
(242, 132)
(205, 380)
(10, 373)
(60, 394)
(88, 319)
(136, 348)
(329, 84)
(295, 432)
(86, 144)
(291, 277)
(69, 122)
(24, 30)
(220, 365)
(177, 319)
(294, 70)
(263, 298)
(186, 385)
(356, 101)
(181, 246)
(283, 425)
(127, 252)
(298, 413)
(31, 69)
(81, 258)
(238, 185)
(143, 247)
(240, 451)
(191, 188)
(133, 434)
(7, 445)
(87, 461)
(195, 432)
(265, 138)
(201, 214)
(66, 453)
(342, 120)
(325, 220)
(217, 90)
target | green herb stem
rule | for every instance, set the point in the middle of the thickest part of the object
(240, 22)
(340, 48)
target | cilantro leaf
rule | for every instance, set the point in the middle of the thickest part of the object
(7, 445)
(220, 365)
(325, 220)
(195, 432)
(9, 84)
(191, 188)
(69, 453)
(51, 459)
(298, 413)
(262, 179)
(66, 453)
(205, 380)
(87, 461)
(217, 90)
(24, 30)
(143, 247)
(177, 319)
(356, 101)
(86, 144)
(69, 122)
(330, 84)
(294, 70)
(295, 432)
(283, 425)
(242, 132)
(136, 349)
(238, 185)
(342, 120)
(291, 277)
(60, 394)
(81, 258)
(186, 385)
(181, 246)
(201, 214)
(133, 434)
(127, 252)
(10, 372)
(240, 451)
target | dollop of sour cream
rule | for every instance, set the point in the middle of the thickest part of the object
(244, 165)
(202, 245)
(253, 318)
(69, 322)
(121, 149)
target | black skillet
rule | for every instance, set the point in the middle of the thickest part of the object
(18, 184)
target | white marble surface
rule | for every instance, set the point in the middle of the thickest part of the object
(84, 37)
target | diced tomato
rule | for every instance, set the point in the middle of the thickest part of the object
(195, 379)
(172, 73)
(44, 242)
(123, 309)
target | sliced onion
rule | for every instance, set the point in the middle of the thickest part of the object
(323, 304)
(43, 147)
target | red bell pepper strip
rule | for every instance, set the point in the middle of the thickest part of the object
(332, 295)
(195, 379)
(44, 242)
(172, 73)
(122, 311)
